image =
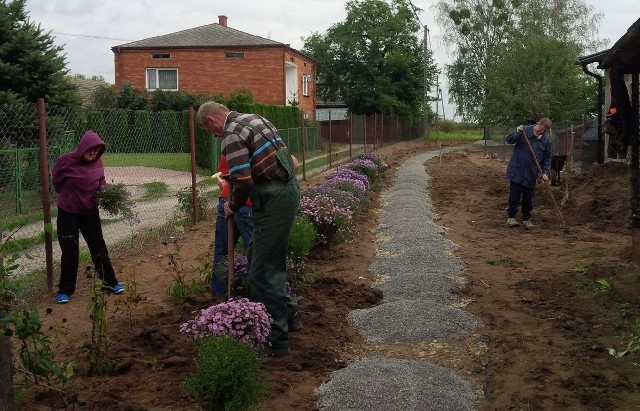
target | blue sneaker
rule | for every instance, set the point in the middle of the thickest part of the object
(63, 298)
(116, 289)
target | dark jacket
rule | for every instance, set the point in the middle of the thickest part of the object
(77, 181)
(522, 169)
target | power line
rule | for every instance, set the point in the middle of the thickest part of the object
(88, 36)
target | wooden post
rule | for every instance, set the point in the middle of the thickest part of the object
(364, 118)
(350, 135)
(635, 171)
(46, 207)
(302, 145)
(330, 156)
(192, 148)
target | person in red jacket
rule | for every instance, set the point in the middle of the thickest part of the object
(77, 176)
(242, 224)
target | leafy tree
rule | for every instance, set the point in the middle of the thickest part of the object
(373, 61)
(475, 28)
(103, 98)
(486, 33)
(536, 77)
(30, 65)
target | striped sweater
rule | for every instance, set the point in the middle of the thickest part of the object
(251, 157)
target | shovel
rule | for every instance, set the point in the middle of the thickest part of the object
(231, 272)
(231, 246)
(535, 159)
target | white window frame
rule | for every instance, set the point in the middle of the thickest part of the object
(151, 73)
(305, 84)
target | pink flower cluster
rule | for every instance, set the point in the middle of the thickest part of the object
(246, 321)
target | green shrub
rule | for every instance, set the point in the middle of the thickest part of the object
(302, 237)
(227, 375)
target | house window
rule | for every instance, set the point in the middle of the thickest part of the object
(162, 78)
(234, 55)
(161, 56)
(306, 79)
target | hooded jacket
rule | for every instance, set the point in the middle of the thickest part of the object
(522, 169)
(77, 181)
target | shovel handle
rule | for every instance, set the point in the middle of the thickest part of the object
(231, 276)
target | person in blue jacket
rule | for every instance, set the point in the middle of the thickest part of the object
(522, 171)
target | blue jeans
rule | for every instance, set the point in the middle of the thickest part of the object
(243, 227)
(516, 192)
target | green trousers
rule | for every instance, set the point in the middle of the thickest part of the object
(274, 207)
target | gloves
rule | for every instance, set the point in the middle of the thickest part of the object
(520, 128)
(545, 178)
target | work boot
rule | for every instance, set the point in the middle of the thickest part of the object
(511, 222)
(527, 224)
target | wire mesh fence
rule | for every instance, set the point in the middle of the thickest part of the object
(150, 153)
(574, 144)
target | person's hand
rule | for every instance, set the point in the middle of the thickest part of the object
(520, 128)
(545, 178)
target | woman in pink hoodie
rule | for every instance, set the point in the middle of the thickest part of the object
(77, 176)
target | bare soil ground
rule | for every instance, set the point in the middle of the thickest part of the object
(545, 329)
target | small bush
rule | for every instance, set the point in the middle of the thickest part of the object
(227, 375)
(115, 199)
(302, 237)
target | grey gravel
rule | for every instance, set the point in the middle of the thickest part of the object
(416, 271)
(380, 383)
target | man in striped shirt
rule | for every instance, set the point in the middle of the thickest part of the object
(260, 167)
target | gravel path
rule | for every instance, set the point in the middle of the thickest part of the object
(416, 271)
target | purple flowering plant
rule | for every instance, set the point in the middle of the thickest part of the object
(241, 275)
(244, 320)
(366, 167)
(348, 174)
(380, 164)
(333, 221)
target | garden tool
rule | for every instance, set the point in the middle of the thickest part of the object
(231, 245)
(231, 274)
(535, 159)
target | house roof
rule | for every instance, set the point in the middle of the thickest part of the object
(86, 87)
(210, 35)
(625, 54)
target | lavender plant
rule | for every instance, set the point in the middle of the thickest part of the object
(246, 321)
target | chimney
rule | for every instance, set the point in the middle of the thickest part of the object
(222, 20)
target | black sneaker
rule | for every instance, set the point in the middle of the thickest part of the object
(295, 322)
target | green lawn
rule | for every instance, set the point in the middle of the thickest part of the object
(169, 161)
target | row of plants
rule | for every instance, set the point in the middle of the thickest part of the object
(231, 337)
(228, 337)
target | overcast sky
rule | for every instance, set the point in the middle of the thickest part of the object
(89, 28)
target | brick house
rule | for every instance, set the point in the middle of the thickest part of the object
(218, 59)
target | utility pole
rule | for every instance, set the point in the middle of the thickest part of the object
(426, 83)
